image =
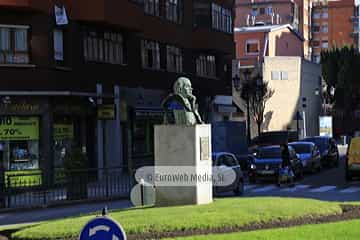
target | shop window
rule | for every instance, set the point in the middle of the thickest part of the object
(14, 45)
(19, 143)
(63, 134)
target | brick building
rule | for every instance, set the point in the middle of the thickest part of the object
(58, 63)
(334, 23)
(295, 13)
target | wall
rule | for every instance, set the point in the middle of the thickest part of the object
(283, 42)
(310, 82)
(280, 109)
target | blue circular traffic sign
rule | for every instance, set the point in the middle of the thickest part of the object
(102, 228)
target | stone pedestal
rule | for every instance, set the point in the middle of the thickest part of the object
(185, 146)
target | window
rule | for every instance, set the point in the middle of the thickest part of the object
(262, 10)
(174, 59)
(20, 149)
(324, 28)
(316, 58)
(284, 75)
(269, 11)
(275, 75)
(316, 28)
(152, 7)
(254, 12)
(201, 13)
(279, 75)
(58, 45)
(14, 45)
(221, 18)
(252, 47)
(324, 44)
(150, 54)
(206, 66)
(324, 13)
(316, 14)
(316, 43)
(106, 47)
(174, 10)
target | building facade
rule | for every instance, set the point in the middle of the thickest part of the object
(62, 60)
(296, 83)
(334, 24)
(296, 13)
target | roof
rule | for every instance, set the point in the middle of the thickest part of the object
(267, 28)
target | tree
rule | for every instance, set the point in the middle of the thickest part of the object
(256, 93)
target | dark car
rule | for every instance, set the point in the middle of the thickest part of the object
(308, 154)
(228, 162)
(267, 162)
(329, 152)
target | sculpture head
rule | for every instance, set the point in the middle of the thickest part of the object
(182, 86)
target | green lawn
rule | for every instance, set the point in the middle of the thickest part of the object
(347, 230)
(223, 212)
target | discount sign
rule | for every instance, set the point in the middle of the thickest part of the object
(19, 128)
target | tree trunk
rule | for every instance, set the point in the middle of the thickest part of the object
(259, 128)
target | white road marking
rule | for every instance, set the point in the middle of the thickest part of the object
(264, 189)
(350, 190)
(322, 189)
(295, 188)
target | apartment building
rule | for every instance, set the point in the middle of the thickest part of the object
(62, 60)
(334, 23)
(296, 13)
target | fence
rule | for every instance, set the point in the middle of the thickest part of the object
(30, 190)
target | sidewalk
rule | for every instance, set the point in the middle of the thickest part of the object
(38, 215)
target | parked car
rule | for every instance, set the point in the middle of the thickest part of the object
(329, 152)
(267, 162)
(245, 160)
(308, 154)
(273, 138)
(228, 162)
(352, 162)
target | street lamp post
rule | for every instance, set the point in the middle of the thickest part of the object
(238, 88)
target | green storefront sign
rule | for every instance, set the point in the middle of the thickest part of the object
(19, 128)
(63, 131)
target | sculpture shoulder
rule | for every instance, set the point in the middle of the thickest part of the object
(174, 102)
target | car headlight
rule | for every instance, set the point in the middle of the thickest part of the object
(253, 166)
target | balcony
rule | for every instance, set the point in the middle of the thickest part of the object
(118, 12)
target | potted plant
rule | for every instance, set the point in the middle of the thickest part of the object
(76, 164)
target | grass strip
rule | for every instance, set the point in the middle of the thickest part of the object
(229, 212)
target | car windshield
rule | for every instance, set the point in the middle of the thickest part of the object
(301, 148)
(321, 143)
(268, 153)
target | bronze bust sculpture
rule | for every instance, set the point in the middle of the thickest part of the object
(180, 107)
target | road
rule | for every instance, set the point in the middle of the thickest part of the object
(327, 185)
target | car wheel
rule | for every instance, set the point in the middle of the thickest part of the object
(240, 188)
